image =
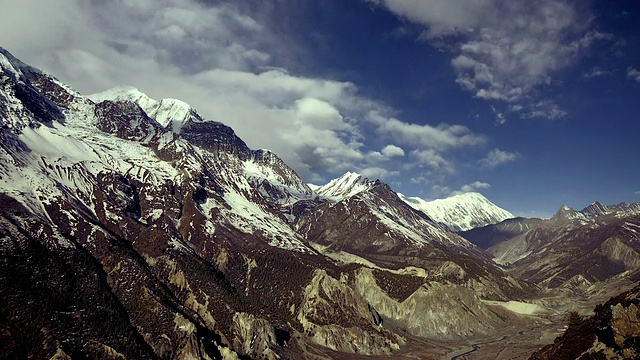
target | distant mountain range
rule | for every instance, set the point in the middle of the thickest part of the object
(460, 212)
(573, 250)
(135, 228)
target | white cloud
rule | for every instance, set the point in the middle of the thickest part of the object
(432, 160)
(441, 137)
(544, 109)
(497, 157)
(477, 185)
(500, 117)
(633, 74)
(504, 50)
(392, 151)
(377, 173)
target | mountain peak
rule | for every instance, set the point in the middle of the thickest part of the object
(596, 209)
(460, 212)
(469, 195)
(566, 212)
(10, 63)
(345, 186)
(169, 113)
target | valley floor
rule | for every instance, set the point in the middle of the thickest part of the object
(515, 342)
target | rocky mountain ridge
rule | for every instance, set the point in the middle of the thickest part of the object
(577, 252)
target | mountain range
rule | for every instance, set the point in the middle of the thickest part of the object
(135, 228)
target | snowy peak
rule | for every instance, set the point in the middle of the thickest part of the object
(460, 212)
(9, 64)
(344, 187)
(171, 114)
(567, 214)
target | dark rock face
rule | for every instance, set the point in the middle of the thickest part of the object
(214, 136)
(612, 333)
(125, 120)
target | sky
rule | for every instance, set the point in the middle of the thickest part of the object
(532, 104)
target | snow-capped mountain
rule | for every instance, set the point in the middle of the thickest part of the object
(344, 187)
(135, 227)
(460, 212)
(169, 113)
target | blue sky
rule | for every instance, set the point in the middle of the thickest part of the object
(533, 104)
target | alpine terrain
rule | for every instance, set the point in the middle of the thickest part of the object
(460, 212)
(135, 228)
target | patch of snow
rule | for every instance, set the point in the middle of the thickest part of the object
(519, 307)
(6, 64)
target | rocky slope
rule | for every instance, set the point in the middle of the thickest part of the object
(460, 212)
(574, 250)
(134, 228)
(613, 332)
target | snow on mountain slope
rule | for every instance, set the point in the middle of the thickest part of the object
(596, 209)
(344, 187)
(65, 160)
(460, 212)
(372, 217)
(170, 113)
(275, 179)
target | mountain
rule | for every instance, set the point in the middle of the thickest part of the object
(366, 222)
(344, 187)
(135, 228)
(577, 251)
(460, 212)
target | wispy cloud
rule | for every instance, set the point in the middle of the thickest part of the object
(477, 185)
(497, 157)
(505, 51)
(633, 74)
(596, 72)
(441, 137)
